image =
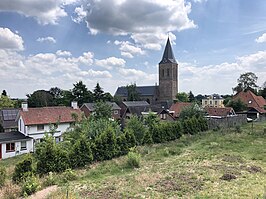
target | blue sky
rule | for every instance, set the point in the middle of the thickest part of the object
(51, 43)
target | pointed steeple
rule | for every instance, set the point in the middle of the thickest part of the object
(168, 55)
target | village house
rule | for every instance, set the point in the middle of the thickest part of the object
(220, 112)
(89, 108)
(177, 107)
(214, 100)
(256, 105)
(35, 122)
(14, 143)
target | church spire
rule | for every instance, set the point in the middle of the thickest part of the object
(168, 55)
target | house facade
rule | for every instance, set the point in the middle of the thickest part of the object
(214, 100)
(14, 143)
(89, 108)
(35, 122)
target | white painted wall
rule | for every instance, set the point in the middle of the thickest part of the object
(18, 151)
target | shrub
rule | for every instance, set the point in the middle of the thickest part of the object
(130, 138)
(2, 176)
(30, 186)
(133, 160)
(147, 139)
(68, 175)
(81, 153)
(122, 145)
(105, 145)
(23, 169)
(166, 131)
(135, 125)
(50, 179)
(51, 156)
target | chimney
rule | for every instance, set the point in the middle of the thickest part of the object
(24, 106)
(74, 105)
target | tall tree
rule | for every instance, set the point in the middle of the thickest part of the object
(98, 93)
(40, 98)
(81, 93)
(191, 97)
(132, 93)
(4, 93)
(57, 94)
(6, 102)
(246, 81)
(182, 97)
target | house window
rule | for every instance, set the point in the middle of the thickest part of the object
(115, 112)
(210, 102)
(249, 101)
(23, 145)
(215, 102)
(58, 139)
(163, 116)
(206, 102)
(10, 147)
(40, 127)
(168, 72)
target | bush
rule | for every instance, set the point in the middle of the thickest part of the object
(81, 153)
(30, 186)
(50, 179)
(133, 160)
(122, 145)
(166, 131)
(130, 138)
(147, 139)
(51, 157)
(105, 145)
(2, 176)
(68, 175)
(135, 125)
(23, 169)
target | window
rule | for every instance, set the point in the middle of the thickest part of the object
(215, 102)
(206, 102)
(58, 139)
(115, 112)
(210, 102)
(163, 116)
(10, 147)
(168, 72)
(23, 145)
(249, 101)
(40, 127)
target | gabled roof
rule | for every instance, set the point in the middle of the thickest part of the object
(251, 100)
(136, 103)
(168, 55)
(142, 90)
(223, 112)
(8, 117)
(49, 115)
(13, 136)
(178, 107)
(137, 110)
(91, 107)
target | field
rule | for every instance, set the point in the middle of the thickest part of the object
(227, 163)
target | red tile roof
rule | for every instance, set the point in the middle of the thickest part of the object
(178, 107)
(251, 100)
(48, 115)
(223, 112)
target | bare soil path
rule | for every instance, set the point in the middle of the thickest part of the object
(44, 193)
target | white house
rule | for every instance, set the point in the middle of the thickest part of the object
(35, 122)
(14, 143)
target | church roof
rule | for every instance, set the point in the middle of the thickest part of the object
(142, 90)
(168, 55)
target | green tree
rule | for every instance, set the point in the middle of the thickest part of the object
(102, 110)
(57, 94)
(246, 81)
(81, 93)
(108, 97)
(182, 97)
(237, 105)
(6, 102)
(98, 93)
(191, 97)
(23, 169)
(4, 93)
(132, 93)
(135, 125)
(190, 111)
(40, 98)
(67, 98)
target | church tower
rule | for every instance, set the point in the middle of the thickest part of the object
(168, 71)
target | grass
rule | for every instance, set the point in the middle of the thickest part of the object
(221, 164)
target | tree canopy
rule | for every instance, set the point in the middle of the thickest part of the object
(132, 93)
(182, 97)
(246, 81)
(6, 102)
(40, 98)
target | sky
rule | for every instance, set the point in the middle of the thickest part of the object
(56, 43)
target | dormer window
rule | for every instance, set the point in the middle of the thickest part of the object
(249, 101)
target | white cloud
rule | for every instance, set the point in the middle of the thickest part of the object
(80, 14)
(46, 39)
(261, 39)
(128, 49)
(10, 40)
(110, 63)
(45, 12)
(199, 1)
(63, 53)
